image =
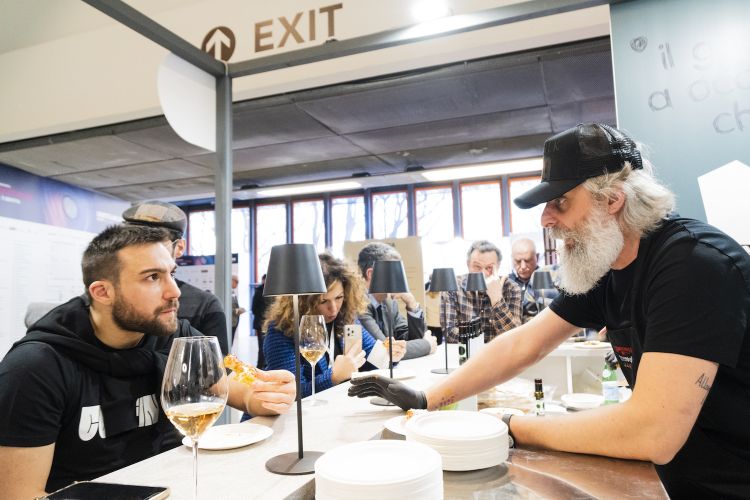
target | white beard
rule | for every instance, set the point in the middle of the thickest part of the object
(596, 244)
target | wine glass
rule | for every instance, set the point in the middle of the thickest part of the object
(312, 345)
(194, 389)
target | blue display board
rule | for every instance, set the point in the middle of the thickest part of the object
(682, 86)
(28, 197)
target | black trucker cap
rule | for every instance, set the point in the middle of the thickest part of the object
(157, 214)
(584, 151)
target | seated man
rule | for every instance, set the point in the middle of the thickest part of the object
(525, 257)
(382, 314)
(80, 392)
(202, 309)
(499, 307)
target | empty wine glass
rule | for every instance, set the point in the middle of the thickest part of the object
(194, 389)
(312, 345)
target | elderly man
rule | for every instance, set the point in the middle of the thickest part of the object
(201, 308)
(674, 294)
(382, 314)
(499, 308)
(524, 256)
(80, 392)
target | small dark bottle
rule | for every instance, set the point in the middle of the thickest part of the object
(539, 397)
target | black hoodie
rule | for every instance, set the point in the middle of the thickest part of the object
(60, 384)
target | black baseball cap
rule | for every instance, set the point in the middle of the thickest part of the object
(579, 153)
(157, 214)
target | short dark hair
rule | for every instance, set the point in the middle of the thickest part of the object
(100, 260)
(483, 246)
(375, 252)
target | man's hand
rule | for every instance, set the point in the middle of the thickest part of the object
(432, 340)
(408, 299)
(399, 350)
(397, 393)
(495, 288)
(346, 364)
(273, 392)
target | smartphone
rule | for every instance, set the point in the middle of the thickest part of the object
(352, 338)
(91, 490)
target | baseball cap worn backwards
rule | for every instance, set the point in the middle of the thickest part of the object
(157, 214)
(579, 153)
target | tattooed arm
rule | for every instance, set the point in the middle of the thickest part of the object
(502, 359)
(652, 425)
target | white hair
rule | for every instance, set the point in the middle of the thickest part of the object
(647, 201)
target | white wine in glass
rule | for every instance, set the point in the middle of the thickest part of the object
(194, 389)
(312, 345)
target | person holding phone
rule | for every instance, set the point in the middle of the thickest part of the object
(344, 300)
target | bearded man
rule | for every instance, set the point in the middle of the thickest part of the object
(674, 294)
(80, 392)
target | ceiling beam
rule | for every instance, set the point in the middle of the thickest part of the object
(135, 20)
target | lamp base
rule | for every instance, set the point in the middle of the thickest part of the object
(289, 464)
(377, 400)
(442, 371)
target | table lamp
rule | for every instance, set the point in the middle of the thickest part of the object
(475, 283)
(388, 276)
(294, 270)
(443, 280)
(541, 280)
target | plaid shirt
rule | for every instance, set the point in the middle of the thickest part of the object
(462, 306)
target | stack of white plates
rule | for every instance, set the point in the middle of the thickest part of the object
(466, 440)
(373, 470)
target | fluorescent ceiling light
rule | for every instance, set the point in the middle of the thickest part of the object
(486, 170)
(320, 187)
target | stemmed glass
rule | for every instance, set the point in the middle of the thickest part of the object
(312, 346)
(194, 389)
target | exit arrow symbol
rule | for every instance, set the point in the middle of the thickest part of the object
(217, 40)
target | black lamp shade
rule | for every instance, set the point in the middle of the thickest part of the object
(475, 282)
(294, 269)
(443, 280)
(388, 276)
(542, 280)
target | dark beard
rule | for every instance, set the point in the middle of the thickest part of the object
(126, 318)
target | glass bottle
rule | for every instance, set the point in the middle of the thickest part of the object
(610, 386)
(463, 340)
(539, 397)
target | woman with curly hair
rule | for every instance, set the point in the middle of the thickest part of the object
(341, 305)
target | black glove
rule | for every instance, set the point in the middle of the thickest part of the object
(397, 393)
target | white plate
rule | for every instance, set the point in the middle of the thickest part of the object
(582, 401)
(502, 411)
(396, 425)
(593, 344)
(226, 437)
(446, 426)
(553, 408)
(398, 373)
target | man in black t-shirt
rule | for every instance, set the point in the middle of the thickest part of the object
(80, 392)
(674, 295)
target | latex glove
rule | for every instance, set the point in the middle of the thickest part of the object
(397, 393)
(495, 288)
